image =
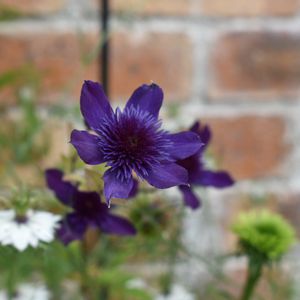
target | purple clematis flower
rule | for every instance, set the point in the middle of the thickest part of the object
(131, 141)
(198, 175)
(87, 211)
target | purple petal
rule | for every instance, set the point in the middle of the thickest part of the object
(134, 189)
(63, 190)
(205, 135)
(148, 98)
(216, 179)
(203, 132)
(167, 175)
(185, 144)
(116, 225)
(195, 127)
(94, 104)
(189, 197)
(87, 147)
(72, 228)
(114, 187)
(193, 165)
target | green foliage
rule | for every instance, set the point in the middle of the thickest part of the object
(20, 139)
(8, 13)
(263, 235)
(26, 75)
(21, 200)
(149, 218)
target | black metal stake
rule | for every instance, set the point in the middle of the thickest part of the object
(104, 56)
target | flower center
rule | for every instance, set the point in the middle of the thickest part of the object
(133, 140)
(21, 219)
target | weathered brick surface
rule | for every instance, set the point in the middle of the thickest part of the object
(249, 147)
(261, 64)
(289, 207)
(56, 58)
(229, 8)
(165, 58)
(152, 7)
(33, 7)
(211, 8)
(59, 59)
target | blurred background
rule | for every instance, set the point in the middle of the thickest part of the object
(233, 64)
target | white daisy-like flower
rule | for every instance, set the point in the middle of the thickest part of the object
(178, 292)
(28, 291)
(34, 227)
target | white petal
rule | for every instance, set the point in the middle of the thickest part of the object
(34, 241)
(21, 237)
(6, 215)
(43, 224)
(45, 217)
(39, 226)
(5, 230)
(33, 292)
(44, 234)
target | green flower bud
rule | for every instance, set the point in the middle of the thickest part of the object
(264, 235)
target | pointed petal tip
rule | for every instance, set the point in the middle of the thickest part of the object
(147, 97)
(108, 203)
(217, 179)
(94, 103)
(116, 188)
(63, 190)
(191, 200)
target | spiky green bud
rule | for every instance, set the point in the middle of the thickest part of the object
(264, 235)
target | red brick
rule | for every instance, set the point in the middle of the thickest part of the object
(249, 147)
(134, 60)
(57, 58)
(152, 7)
(215, 8)
(258, 64)
(164, 58)
(289, 207)
(226, 8)
(33, 7)
(147, 7)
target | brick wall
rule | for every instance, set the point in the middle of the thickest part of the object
(232, 63)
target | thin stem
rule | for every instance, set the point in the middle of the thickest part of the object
(11, 277)
(173, 253)
(253, 276)
(105, 14)
(84, 271)
(88, 288)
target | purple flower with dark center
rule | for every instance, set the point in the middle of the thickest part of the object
(131, 141)
(87, 211)
(197, 173)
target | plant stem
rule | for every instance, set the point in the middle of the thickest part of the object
(174, 248)
(88, 288)
(253, 276)
(84, 271)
